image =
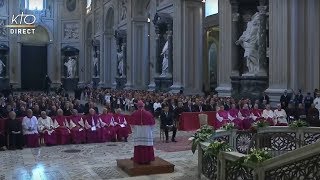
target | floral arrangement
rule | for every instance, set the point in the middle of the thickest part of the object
(228, 126)
(202, 135)
(255, 156)
(298, 123)
(260, 124)
(215, 147)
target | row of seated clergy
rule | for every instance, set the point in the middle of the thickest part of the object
(244, 117)
(75, 129)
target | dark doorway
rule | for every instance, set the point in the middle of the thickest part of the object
(33, 67)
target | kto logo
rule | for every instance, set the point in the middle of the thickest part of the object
(22, 24)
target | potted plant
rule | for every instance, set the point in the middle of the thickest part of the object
(202, 135)
(228, 126)
(255, 156)
(298, 123)
(215, 147)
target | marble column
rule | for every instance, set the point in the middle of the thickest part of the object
(190, 43)
(279, 48)
(225, 49)
(235, 36)
(108, 36)
(177, 68)
(170, 53)
(262, 49)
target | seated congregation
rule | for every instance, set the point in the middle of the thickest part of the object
(244, 117)
(32, 131)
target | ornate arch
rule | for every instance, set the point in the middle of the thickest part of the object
(109, 19)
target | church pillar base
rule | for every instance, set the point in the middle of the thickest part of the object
(4, 83)
(70, 84)
(176, 88)
(152, 87)
(274, 95)
(121, 82)
(224, 90)
(248, 86)
(163, 83)
(95, 82)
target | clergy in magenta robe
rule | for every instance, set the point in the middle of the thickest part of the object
(245, 116)
(233, 116)
(61, 126)
(142, 124)
(222, 117)
(93, 128)
(280, 116)
(121, 126)
(256, 113)
(108, 132)
(46, 129)
(30, 129)
(269, 116)
(76, 127)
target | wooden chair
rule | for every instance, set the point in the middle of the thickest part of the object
(203, 119)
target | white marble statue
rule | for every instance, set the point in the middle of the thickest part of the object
(249, 41)
(165, 60)
(96, 66)
(71, 67)
(2, 66)
(120, 62)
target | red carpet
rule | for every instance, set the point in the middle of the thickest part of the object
(183, 144)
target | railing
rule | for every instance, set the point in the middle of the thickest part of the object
(293, 149)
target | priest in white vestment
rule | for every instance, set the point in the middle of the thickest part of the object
(281, 116)
(30, 129)
(268, 115)
(46, 129)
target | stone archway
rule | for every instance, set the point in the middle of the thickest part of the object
(109, 62)
(42, 44)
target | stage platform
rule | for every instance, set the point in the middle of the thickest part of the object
(158, 166)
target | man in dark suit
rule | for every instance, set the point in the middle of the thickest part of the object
(265, 97)
(285, 99)
(167, 123)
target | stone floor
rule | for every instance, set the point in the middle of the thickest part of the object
(88, 161)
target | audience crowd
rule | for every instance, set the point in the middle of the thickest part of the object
(62, 119)
(31, 118)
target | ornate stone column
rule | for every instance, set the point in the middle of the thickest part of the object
(225, 49)
(263, 39)
(170, 48)
(279, 49)
(235, 36)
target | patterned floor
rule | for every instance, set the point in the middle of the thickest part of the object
(94, 161)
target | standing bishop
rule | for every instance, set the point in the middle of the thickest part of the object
(142, 125)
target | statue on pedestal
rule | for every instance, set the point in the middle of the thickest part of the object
(120, 63)
(165, 60)
(96, 66)
(2, 66)
(71, 67)
(249, 41)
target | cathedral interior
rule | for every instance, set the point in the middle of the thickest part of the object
(220, 48)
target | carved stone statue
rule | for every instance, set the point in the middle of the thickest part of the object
(71, 67)
(2, 66)
(95, 66)
(249, 41)
(165, 60)
(123, 10)
(120, 62)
